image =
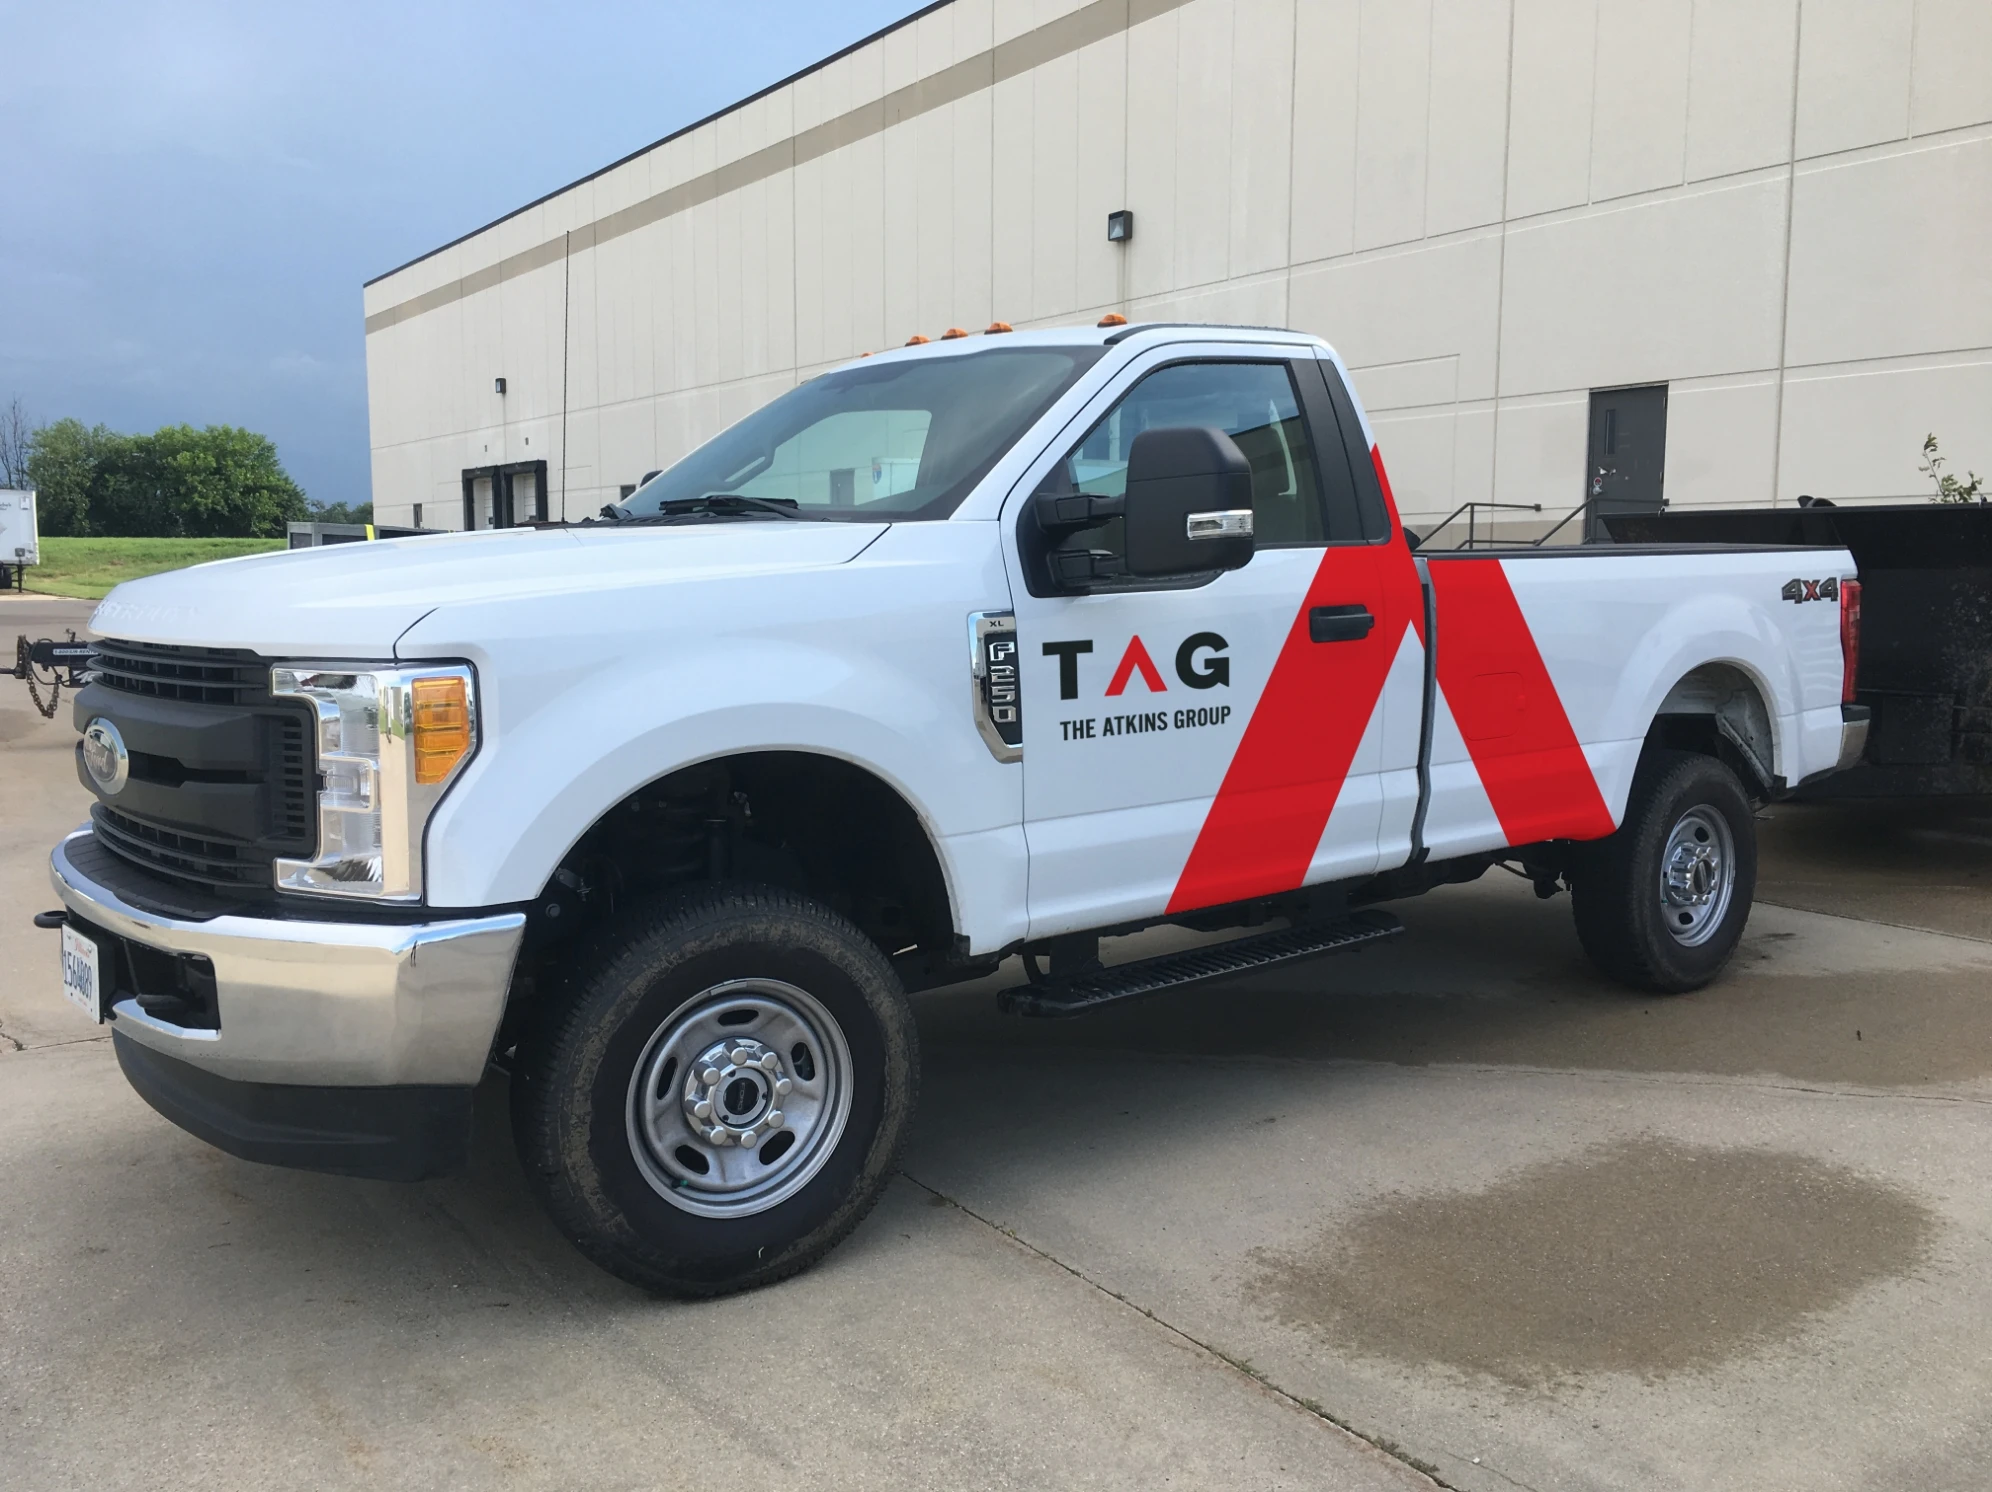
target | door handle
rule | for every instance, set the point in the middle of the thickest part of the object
(1339, 623)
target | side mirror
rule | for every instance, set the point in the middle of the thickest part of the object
(1189, 502)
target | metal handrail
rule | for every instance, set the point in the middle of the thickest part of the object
(1582, 507)
(1471, 509)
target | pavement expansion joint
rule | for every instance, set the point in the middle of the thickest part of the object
(1914, 927)
(1686, 1080)
(1382, 1445)
(46, 1046)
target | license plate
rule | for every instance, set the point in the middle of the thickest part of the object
(79, 973)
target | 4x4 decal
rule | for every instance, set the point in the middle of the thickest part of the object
(1802, 591)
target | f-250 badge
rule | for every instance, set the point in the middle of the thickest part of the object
(1802, 591)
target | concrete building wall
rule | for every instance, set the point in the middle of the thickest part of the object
(1780, 208)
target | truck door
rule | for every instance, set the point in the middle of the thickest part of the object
(1193, 742)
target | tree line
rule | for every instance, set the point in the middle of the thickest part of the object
(219, 481)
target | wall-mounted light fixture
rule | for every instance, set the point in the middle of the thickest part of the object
(498, 385)
(1120, 226)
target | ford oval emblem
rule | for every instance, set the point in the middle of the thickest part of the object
(105, 757)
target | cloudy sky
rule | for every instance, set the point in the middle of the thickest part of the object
(192, 193)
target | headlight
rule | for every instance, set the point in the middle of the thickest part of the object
(390, 741)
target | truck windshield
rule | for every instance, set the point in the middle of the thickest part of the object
(897, 441)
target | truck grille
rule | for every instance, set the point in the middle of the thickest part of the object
(223, 775)
(212, 676)
(212, 862)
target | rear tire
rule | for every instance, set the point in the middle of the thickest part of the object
(1661, 904)
(720, 1093)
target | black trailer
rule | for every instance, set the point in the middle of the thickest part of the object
(1926, 629)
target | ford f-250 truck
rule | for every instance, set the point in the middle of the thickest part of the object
(980, 648)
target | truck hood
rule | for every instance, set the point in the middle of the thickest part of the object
(355, 600)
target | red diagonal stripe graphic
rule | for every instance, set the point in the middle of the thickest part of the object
(1506, 705)
(1262, 829)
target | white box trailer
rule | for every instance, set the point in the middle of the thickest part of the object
(20, 540)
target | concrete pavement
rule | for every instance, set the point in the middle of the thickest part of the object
(1501, 1220)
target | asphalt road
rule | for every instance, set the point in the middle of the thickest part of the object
(1452, 1204)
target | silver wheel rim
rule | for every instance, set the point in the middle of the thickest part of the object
(739, 1098)
(1697, 876)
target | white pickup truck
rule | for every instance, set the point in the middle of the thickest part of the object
(981, 648)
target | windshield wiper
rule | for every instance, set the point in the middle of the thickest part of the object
(712, 505)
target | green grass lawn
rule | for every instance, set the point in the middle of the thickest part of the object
(88, 568)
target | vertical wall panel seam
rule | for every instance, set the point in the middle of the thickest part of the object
(1425, 186)
(1293, 148)
(1909, 102)
(1356, 137)
(1123, 270)
(1501, 256)
(1784, 286)
(1687, 107)
(1232, 205)
(1591, 107)
(566, 335)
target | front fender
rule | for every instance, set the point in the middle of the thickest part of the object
(556, 771)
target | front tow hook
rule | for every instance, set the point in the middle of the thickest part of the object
(51, 919)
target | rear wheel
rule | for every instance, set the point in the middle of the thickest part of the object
(722, 1093)
(1661, 904)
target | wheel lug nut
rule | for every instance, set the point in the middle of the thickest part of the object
(710, 1077)
(717, 1135)
(770, 1062)
(782, 1086)
(774, 1120)
(738, 1056)
(701, 1110)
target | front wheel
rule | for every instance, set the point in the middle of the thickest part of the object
(1661, 904)
(720, 1094)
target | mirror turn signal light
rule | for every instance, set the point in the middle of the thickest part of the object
(442, 727)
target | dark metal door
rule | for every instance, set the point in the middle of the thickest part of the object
(1627, 462)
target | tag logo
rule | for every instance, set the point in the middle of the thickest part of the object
(1202, 662)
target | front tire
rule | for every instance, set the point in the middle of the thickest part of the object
(1660, 905)
(720, 1093)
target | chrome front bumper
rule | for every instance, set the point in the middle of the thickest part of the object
(353, 1004)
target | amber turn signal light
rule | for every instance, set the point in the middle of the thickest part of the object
(951, 333)
(916, 340)
(1112, 318)
(996, 327)
(442, 727)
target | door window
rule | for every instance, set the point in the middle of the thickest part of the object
(1253, 403)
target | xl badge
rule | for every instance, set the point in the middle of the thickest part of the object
(104, 756)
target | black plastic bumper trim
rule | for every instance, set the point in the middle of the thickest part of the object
(411, 1133)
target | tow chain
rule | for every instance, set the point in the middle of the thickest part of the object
(24, 668)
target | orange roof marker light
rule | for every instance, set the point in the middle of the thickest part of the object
(916, 340)
(995, 328)
(951, 333)
(1112, 318)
